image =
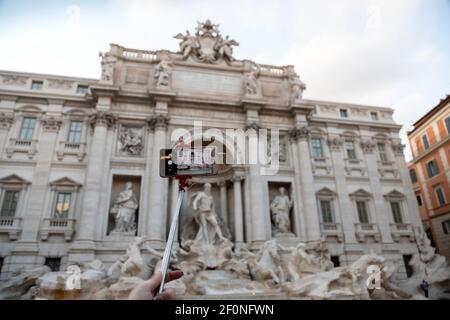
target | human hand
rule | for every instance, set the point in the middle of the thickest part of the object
(148, 290)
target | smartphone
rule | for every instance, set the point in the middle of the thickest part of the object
(188, 162)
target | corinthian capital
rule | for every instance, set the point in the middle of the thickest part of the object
(102, 118)
(159, 121)
(51, 124)
(6, 120)
(297, 133)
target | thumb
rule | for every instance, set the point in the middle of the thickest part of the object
(155, 281)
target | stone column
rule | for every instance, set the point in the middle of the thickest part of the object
(381, 215)
(6, 121)
(238, 215)
(346, 210)
(157, 215)
(299, 222)
(413, 210)
(307, 183)
(39, 187)
(223, 201)
(100, 122)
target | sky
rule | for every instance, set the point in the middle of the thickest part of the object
(377, 52)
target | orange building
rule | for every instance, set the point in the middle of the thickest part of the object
(430, 172)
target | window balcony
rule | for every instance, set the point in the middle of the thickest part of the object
(57, 226)
(364, 230)
(399, 230)
(77, 149)
(331, 229)
(28, 147)
(11, 226)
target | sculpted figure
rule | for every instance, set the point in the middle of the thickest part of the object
(108, 62)
(251, 86)
(225, 49)
(188, 44)
(162, 73)
(130, 142)
(266, 264)
(206, 217)
(124, 209)
(280, 208)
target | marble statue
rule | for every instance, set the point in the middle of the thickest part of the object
(280, 208)
(162, 73)
(206, 217)
(266, 263)
(108, 62)
(225, 49)
(124, 210)
(188, 45)
(250, 82)
(297, 86)
(130, 142)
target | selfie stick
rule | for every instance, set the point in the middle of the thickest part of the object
(173, 227)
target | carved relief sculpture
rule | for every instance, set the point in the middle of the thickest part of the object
(130, 142)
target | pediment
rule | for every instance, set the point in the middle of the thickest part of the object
(360, 193)
(65, 182)
(326, 192)
(14, 179)
(394, 194)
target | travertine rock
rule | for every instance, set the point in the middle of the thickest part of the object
(21, 283)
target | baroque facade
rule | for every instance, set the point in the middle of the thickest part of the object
(79, 173)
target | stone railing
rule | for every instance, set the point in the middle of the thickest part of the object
(364, 230)
(66, 148)
(399, 230)
(331, 229)
(57, 226)
(11, 226)
(139, 54)
(274, 70)
(21, 146)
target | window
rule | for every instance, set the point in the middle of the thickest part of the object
(327, 214)
(426, 144)
(62, 205)
(75, 129)
(344, 113)
(27, 129)
(447, 124)
(374, 115)
(440, 195)
(53, 263)
(37, 85)
(81, 89)
(1, 263)
(336, 261)
(361, 207)
(406, 259)
(432, 168)
(446, 226)
(350, 149)
(396, 212)
(9, 205)
(413, 175)
(316, 148)
(382, 152)
(419, 200)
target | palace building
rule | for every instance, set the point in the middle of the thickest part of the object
(74, 150)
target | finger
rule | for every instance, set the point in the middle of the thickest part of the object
(165, 295)
(155, 281)
(174, 275)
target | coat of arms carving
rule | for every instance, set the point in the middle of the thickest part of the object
(207, 45)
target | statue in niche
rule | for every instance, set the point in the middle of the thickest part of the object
(162, 73)
(280, 208)
(108, 62)
(130, 142)
(206, 217)
(188, 44)
(124, 210)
